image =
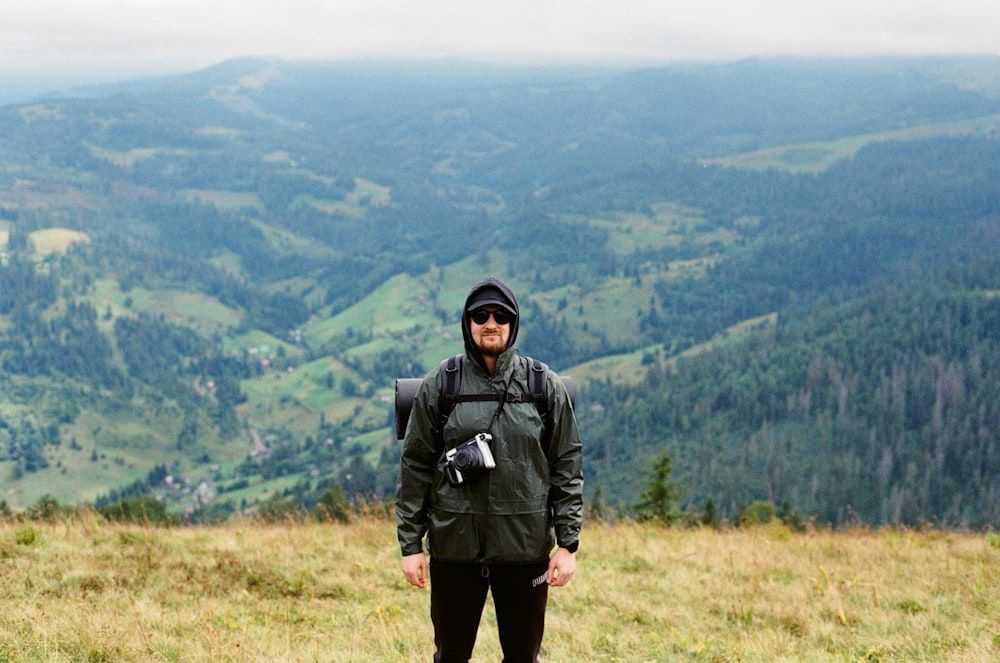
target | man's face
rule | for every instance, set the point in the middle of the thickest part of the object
(490, 337)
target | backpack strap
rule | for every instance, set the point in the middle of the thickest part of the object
(451, 384)
(451, 388)
(537, 388)
(537, 372)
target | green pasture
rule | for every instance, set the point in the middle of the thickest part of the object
(403, 312)
(257, 489)
(607, 310)
(374, 441)
(818, 157)
(129, 158)
(260, 342)
(288, 243)
(295, 399)
(205, 314)
(611, 309)
(127, 443)
(308, 384)
(667, 224)
(303, 287)
(630, 367)
(366, 194)
(224, 200)
(393, 307)
(228, 262)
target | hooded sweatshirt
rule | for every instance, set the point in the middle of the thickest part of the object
(486, 292)
(532, 500)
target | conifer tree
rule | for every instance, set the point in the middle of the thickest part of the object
(660, 497)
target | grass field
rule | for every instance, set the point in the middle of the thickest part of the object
(55, 240)
(817, 157)
(86, 590)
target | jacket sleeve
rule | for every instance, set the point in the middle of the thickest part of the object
(417, 466)
(566, 463)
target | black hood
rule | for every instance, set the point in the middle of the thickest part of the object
(489, 291)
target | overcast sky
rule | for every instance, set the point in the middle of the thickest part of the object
(166, 36)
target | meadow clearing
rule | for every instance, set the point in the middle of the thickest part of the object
(83, 589)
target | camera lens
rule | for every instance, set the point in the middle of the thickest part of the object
(464, 459)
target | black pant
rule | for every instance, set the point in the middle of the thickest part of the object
(458, 595)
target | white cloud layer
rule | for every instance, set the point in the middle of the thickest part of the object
(180, 34)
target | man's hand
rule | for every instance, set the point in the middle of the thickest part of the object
(415, 569)
(562, 566)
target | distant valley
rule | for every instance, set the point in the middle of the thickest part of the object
(782, 273)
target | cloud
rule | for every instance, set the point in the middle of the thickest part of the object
(185, 33)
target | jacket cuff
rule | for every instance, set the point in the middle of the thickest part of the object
(572, 546)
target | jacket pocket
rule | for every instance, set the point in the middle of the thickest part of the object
(520, 531)
(453, 537)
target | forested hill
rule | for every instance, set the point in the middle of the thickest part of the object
(782, 273)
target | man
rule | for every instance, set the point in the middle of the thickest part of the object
(494, 531)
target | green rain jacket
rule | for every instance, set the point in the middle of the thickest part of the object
(533, 499)
(512, 514)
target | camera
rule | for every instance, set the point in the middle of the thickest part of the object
(469, 459)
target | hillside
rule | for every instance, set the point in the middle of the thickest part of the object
(210, 282)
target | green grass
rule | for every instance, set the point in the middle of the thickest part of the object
(263, 344)
(378, 313)
(630, 367)
(365, 194)
(227, 200)
(288, 243)
(129, 158)
(198, 311)
(817, 157)
(128, 444)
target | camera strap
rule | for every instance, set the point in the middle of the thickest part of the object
(496, 414)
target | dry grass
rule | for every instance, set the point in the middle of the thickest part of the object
(56, 240)
(86, 590)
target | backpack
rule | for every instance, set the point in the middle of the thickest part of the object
(451, 387)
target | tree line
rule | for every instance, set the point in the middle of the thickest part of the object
(883, 408)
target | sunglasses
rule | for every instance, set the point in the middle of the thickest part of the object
(481, 315)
